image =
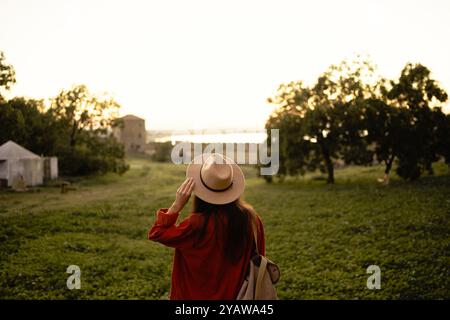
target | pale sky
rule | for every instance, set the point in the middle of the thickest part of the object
(211, 64)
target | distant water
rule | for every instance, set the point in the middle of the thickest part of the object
(244, 137)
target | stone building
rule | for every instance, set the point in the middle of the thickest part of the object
(132, 135)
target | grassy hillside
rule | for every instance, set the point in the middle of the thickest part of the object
(323, 237)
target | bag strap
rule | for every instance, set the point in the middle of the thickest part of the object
(263, 263)
(255, 232)
(259, 280)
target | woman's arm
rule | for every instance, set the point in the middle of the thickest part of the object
(166, 232)
(182, 196)
(164, 229)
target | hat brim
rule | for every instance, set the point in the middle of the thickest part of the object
(215, 197)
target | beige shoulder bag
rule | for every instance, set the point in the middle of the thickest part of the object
(263, 274)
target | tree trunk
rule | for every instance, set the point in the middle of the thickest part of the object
(389, 164)
(328, 162)
(73, 135)
(388, 168)
(330, 170)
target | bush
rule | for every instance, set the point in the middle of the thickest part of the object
(97, 156)
(162, 151)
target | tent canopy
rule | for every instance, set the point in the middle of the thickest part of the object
(11, 150)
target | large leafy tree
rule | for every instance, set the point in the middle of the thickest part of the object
(294, 150)
(77, 127)
(442, 136)
(387, 129)
(291, 99)
(349, 115)
(423, 96)
(24, 121)
(7, 75)
(86, 121)
(83, 112)
(322, 123)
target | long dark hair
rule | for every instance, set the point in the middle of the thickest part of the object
(238, 215)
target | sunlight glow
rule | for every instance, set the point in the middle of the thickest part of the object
(209, 64)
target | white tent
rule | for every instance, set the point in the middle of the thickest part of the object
(18, 163)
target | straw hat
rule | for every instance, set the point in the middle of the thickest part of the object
(218, 179)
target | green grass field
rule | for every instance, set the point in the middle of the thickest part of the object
(323, 237)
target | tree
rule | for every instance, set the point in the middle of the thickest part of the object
(442, 121)
(350, 115)
(423, 96)
(328, 118)
(85, 122)
(7, 75)
(97, 154)
(77, 127)
(288, 118)
(24, 122)
(294, 150)
(80, 110)
(387, 128)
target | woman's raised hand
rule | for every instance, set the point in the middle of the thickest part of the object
(182, 196)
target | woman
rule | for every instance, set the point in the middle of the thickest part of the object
(214, 244)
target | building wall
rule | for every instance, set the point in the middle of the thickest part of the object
(32, 171)
(132, 135)
(15, 168)
(4, 171)
(54, 168)
(50, 168)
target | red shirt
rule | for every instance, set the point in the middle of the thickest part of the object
(200, 269)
